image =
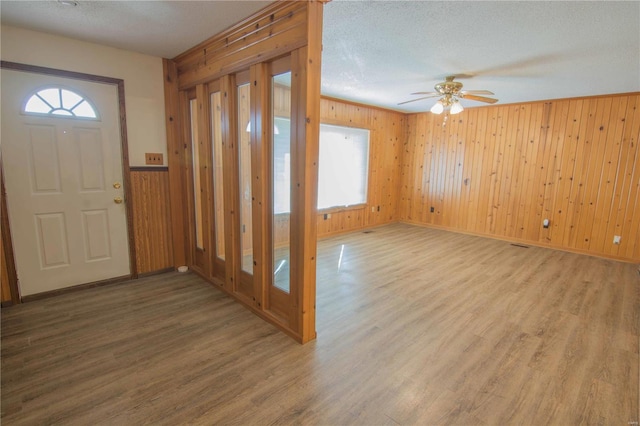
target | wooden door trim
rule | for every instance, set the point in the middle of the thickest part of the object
(126, 170)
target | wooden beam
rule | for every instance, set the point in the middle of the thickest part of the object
(204, 153)
(230, 181)
(305, 111)
(175, 161)
(261, 141)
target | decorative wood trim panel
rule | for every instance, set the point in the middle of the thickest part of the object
(500, 170)
(275, 31)
(152, 220)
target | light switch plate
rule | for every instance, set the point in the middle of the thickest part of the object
(154, 158)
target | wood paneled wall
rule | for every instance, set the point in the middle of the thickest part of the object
(387, 136)
(151, 219)
(5, 289)
(9, 292)
(499, 171)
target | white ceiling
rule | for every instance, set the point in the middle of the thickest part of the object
(158, 28)
(378, 52)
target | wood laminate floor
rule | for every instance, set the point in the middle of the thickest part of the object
(415, 326)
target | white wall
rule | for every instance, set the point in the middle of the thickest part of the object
(142, 75)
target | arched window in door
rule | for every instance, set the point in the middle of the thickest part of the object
(59, 102)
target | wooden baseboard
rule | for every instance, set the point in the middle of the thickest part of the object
(351, 231)
(58, 292)
(158, 272)
(520, 241)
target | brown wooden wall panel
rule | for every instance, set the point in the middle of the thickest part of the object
(387, 135)
(151, 220)
(501, 170)
(5, 289)
(9, 292)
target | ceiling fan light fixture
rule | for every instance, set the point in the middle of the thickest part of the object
(438, 107)
(456, 107)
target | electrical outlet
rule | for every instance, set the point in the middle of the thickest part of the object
(154, 158)
(432, 209)
(617, 239)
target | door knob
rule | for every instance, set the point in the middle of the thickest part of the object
(117, 200)
(116, 185)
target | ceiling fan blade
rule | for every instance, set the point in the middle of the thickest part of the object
(413, 100)
(477, 92)
(478, 98)
(427, 93)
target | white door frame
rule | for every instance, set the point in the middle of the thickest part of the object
(126, 172)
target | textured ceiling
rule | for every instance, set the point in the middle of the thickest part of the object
(158, 28)
(378, 52)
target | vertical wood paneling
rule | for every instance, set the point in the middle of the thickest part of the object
(387, 133)
(5, 290)
(151, 220)
(8, 278)
(500, 170)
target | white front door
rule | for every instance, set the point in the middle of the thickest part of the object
(63, 176)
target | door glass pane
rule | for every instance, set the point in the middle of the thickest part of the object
(218, 200)
(281, 178)
(244, 167)
(197, 198)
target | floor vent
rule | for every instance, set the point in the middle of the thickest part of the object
(519, 245)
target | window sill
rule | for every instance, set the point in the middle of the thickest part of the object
(342, 209)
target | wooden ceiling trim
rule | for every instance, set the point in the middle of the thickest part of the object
(253, 30)
(280, 29)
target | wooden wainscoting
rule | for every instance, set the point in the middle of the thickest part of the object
(5, 289)
(501, 170)
(9, 292)
(151, 219)
(385, 150)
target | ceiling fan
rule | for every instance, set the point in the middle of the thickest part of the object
(450, 93)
